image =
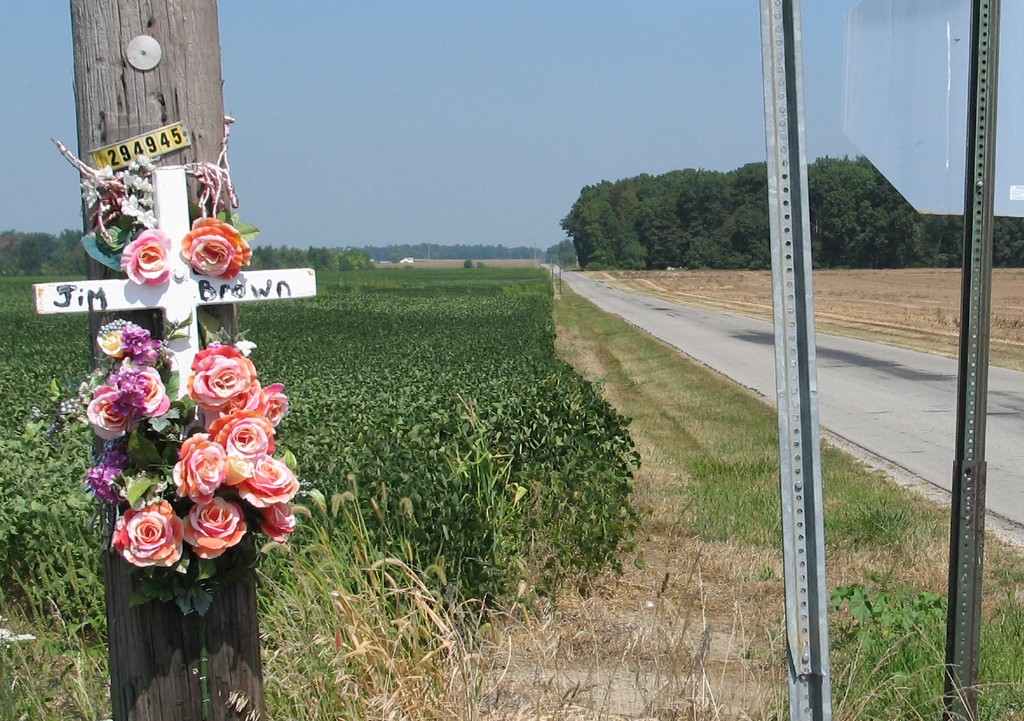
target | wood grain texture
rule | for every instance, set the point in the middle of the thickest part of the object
(154, 650)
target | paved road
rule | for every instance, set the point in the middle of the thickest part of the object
(894, 408)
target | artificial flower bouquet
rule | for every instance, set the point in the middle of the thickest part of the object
(186, 480)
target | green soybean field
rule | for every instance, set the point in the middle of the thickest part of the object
(429, 400)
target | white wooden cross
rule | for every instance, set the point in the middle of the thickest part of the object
(180, 297)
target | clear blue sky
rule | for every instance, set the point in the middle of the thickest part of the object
(373, 123)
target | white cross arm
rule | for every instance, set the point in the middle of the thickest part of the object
(184, 291)
(107, 296)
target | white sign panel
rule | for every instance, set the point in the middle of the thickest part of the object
(906, 81)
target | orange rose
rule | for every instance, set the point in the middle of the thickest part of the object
(219, 373)
(245, 433)
(155, 401)
(201, 468)
(149, 537)
(272, 482)
(274, 403)
(214, 527)
(277, 521)
(214, 248)
(248, 400)
(108, 417)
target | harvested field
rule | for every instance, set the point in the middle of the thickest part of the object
(918, 309)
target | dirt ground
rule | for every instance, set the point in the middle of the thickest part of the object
(918, 308)
(667, 642)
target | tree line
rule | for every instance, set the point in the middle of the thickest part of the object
(37, 254)
(719, 220)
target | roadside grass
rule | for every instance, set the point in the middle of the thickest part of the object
(356, 633)
(710, 478)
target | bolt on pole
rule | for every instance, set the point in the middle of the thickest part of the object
(967, 517)
(810, 685)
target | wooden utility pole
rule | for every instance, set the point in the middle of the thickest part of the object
(155, 652)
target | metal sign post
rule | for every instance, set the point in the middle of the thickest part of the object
(810, 685)
(967, 519)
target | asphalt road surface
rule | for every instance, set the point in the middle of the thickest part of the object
(894, 408)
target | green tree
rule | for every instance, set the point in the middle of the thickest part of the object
(562, 255)
(747, 228)
(858, 220)
(354, 259)
(592, 223)
(32, 253)
(322, 259)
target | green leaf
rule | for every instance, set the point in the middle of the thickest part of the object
(860, 608)
(208, 326)
(178, 330)
(290, 461)
(139, 597)
(31, 430)
(520, 492)
(181, 568)
(207, 569)
(158, 589)
(202, 601)
(318, 498)
(248, 231)
(162, 423)
(101, 253)
(143, 451)
(138, 487)
(196, 598)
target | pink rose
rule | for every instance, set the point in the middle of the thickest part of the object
(219, 373)
(201, 468)
(214, 527)
(145, 259)
(246, 433)
(216, 249)
(277, 521)
(155, 401)
(249, 400)
(106, 414)
(272, 482)
(274, 403)
(149, 537)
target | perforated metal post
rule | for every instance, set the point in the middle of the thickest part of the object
(810, 686)
(967, 519)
